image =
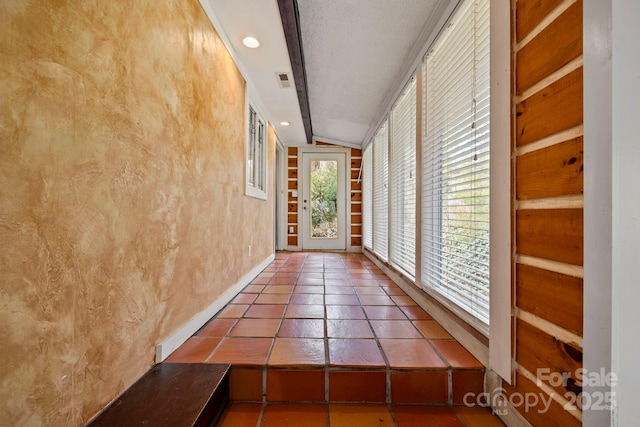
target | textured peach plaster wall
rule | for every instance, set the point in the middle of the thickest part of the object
(122, 212)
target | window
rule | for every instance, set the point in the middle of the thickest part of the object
(367, 194)
(402, 170)
(257, 142)
(381, 192)
(455, 164)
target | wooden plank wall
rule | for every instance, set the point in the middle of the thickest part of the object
(356, 197)
(292, 205)
(548, 205)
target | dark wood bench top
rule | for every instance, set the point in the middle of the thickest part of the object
(171, 394)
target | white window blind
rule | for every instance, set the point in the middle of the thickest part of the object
(455, 202)
(381, 192)
(402, 175)
(367, 202)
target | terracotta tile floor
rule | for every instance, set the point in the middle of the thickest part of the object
(241, 414)
(333, 332)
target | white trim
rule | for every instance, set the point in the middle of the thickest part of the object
(283, 196)
(625, 210)
(500, 290)
(176, 339)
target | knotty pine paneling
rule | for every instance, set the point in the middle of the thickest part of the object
(529, 13)
(551, 172)
(554, 108)
(552, 234)
(292, 207)
(536, 61)
(554, 297)
(536, 349)
(555, 416)
(554, 171)
(356, 188)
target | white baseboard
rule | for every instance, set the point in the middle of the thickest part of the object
(175, 340)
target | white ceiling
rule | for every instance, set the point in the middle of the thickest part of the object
(356, 53)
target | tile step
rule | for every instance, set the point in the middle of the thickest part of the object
(323, 385)
(171, 394)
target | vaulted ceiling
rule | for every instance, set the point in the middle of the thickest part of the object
(356, 54)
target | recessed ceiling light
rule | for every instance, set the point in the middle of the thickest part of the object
(285, 123)
(250, 42)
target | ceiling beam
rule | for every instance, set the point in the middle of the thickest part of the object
(291, 26)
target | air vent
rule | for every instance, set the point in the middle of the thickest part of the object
(284, 80)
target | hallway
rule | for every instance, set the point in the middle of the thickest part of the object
(333, 331)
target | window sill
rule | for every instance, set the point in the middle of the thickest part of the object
(255, 193)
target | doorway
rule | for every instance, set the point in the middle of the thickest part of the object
(323, 201)
(279, 194)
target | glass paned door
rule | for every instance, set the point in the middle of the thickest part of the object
(323, 201)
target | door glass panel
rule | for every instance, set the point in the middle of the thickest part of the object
(324, 186)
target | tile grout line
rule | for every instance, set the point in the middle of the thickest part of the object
(327, 357)
(265, 367)
(327, 369)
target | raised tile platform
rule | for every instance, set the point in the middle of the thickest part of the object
(332, 328)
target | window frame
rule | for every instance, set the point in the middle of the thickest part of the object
(256, 146)
(402, 187)
(380, 188)
(367, 197)
(467, 314)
